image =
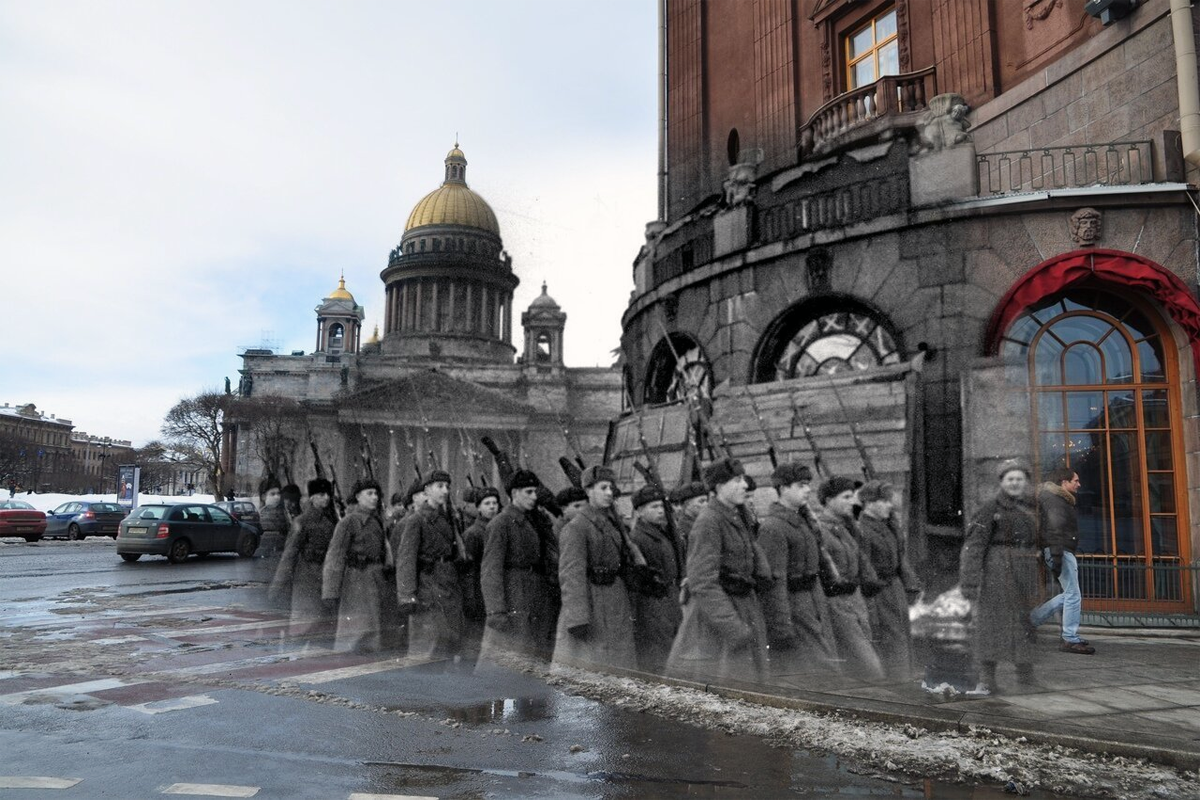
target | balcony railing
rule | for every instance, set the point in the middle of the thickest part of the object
(844, 205)
(1042, 169)
(888, 96)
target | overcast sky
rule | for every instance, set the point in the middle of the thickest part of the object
(182, 180)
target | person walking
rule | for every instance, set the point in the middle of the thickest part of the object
(516, 594)
(895, 581)
(795, 608)
(723, 634)
(655, 592)
(1058, 535)
(299, 575)
(850, 619)
(353, 571)
(998, 573)
(595, 623)
(427, 574)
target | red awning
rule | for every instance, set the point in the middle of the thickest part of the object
(1113, 267)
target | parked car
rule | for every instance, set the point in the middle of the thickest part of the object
(176, 530)
(80, 519)
(242, 510)
(18, 518)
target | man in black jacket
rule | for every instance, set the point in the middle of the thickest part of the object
(1058, 532)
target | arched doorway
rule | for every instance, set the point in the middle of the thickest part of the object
(1103, 372)
(678, 370)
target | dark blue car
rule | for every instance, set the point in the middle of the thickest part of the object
(80, 519)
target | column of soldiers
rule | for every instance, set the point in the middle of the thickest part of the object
(701, 585)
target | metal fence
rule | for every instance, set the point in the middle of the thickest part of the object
(1125, 592)
(1041, 169)
(834, 208)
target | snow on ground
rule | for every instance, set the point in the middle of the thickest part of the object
(50, 500)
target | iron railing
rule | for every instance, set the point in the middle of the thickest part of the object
(1041, 169)
(1135, 592)
(843, 205)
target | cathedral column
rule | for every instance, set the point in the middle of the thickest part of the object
(435, 324)
(420, 300)
(404, 322)
(508, 320)
(470, 316)
(450, 305)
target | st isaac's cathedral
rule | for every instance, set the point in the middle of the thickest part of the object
(444, 374)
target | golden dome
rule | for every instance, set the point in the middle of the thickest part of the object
(453, 203)
(340, 292)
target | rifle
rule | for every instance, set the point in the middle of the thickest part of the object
(339, 504)
(698, 430)
(364, 448)
(503, 463)
(867, 468)
(818, 462)
(766, 432)
(572, 471)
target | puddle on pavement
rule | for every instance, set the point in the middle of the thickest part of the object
(509, 710)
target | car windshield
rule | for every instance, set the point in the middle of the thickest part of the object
(17, 504)
(150, 512)
(105, 507)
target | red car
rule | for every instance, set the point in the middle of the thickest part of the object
(18, 518)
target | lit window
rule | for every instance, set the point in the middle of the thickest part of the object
(873, 51)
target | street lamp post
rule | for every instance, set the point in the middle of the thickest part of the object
(105, 445)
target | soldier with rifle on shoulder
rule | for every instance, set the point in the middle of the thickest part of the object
(655, 597)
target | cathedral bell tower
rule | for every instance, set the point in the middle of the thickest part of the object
(544, 323)
(339, 322)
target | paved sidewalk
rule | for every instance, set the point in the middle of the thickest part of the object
(1138, 696)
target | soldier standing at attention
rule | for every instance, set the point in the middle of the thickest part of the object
(353, 571)
(485, 504)
(655, 593)
(723, 634)
(427, 578)
(895, 581)
(595, 625)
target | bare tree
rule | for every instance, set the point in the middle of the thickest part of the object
(17, 455)
(275, 426)
(193, 425)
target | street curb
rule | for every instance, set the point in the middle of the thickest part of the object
(935, 719)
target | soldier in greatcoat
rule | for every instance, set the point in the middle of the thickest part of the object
(723, 634)
(795, 607)
(688, 498)
(298, 577)
(851, 621)
(272, 518)
(353, 571)
(571, 500)
(516, 592)
(427, 575)
(887, 597)
(486, 505)
(655, 591)
(595, 625)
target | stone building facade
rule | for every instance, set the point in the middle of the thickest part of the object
(443, 376)
(991, 194)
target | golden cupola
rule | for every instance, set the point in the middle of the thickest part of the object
(453, 203)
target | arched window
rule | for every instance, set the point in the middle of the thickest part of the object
(337, 334)
(1102, 371)
(542, 351)
(678, 370)
(824, 338)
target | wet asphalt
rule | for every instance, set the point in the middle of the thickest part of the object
(418, 731)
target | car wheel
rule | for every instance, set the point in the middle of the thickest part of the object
(75, 534)
(247, 544)
(179, 551)
(131, 557)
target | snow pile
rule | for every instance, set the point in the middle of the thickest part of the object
(50, 501)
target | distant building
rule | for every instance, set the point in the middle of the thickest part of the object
(442, 376)
(924, 193)
(43, 452)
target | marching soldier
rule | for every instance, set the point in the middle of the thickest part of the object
(571, 500)
(887, 596)
(427, 578)
(722, 633)
(796, 611)
(595, 624)
(271, 517)
(485, 503)
(353, 571)
(656, 592)
(689, 499)
(848, 611)
(513, 574)
(298, 576)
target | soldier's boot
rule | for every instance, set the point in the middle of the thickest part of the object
(1025, 676)
(987, 676)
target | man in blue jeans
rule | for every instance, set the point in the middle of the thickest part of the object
(1058, 532)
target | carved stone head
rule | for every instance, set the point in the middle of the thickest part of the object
(1086, 227)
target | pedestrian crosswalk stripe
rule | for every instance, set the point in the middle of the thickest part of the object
(211, 790)
(17, 698)
(330, 675)
(32, 782)
(173, 704)
(245, 663)
(364, 796)
(118, 640)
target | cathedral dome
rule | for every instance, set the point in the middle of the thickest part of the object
(453, 203)
(341, 292)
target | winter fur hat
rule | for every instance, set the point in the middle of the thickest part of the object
(647, 494)
(470, 495)
(414, 489)
(572, 494)
(483, 493)
(362, 484)
(522, 479)
(681, 494)
(875, 490)
(267, 484)
(722, 471)
(319, 486)
(787, 474)
(595, 474)
(291, 492)
(436, 476)
(834, 486)
(1011, 464)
